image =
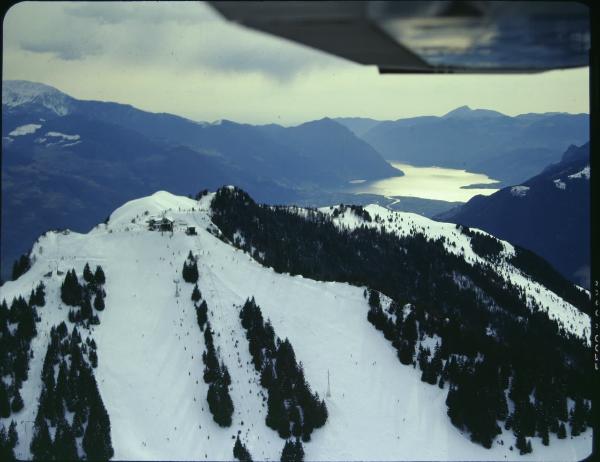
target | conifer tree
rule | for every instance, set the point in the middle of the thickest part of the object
(225, 375)
(86, 307)
(93, 356)
(41, 443)
(88, 276)
(26, 328)
(374, 301)
(202, 314)
(190, 269)
(196, 296)
(545, 436)
(99, 277)
(78, 421)
(13, 436)
(4, 313)
(220, 403)
(406, 352)
(276, 412)
(70, 291)
(20, 266)
(17, 402)
(40, 295)
(240, 452)
(562, 432)
(523, 444)
(99, 301)
(96, 439)
(8, 442)
(292, 451)
(64, 447)
(6, 451)
(299, 450)
(62, 382)
(422, 359)
(578, 417)
(4, 401)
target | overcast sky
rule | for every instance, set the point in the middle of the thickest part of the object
(183, 58)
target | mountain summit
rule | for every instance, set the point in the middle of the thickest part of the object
(96, 155)
(25, 93)
(465, 112)
(358, 332)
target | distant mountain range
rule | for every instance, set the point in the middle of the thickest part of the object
(68, 162)
(509, 149)
(549, 214)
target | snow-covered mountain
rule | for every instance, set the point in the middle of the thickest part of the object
(74, 161)
(150, 346)
(548, 214)
(35, 96)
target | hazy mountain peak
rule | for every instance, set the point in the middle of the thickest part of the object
(21, 92)
(464, 112)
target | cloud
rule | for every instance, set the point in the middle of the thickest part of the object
(144, 12)
(245, 51)
(188, 36)
(62, 48)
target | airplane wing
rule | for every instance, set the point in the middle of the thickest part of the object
(430, 36)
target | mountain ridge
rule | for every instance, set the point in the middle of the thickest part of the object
(145, 151)
(148, 307)
(550, 214)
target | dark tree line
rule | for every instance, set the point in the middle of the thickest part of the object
(200, 306)
(218, 379)
(17, 329)
(292, 407)
(457, 301)
(80, 296)
(216, 374)
(240, 452)
(483, 245)
(20, 266)
(201, 314)
(8, 441)
(545, 274)
(71, 391)
(292, 451)
(190, 269)
(358, 210)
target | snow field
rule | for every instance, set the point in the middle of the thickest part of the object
(150, 348)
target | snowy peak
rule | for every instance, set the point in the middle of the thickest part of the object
(150, 343)
(17, 93)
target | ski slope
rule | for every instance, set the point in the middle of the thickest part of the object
(403, 224)
(150, 348)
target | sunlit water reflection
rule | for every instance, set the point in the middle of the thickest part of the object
(427, 182)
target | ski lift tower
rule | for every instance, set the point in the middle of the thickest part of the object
(328, 394)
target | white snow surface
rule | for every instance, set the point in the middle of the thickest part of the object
(560, 184)
(404, 223)
(584, 174)
(27, 129)
(63, 136)
(150, 347)
(20, 92)
(519, 191)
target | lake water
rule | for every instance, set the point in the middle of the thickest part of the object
(427, 182)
